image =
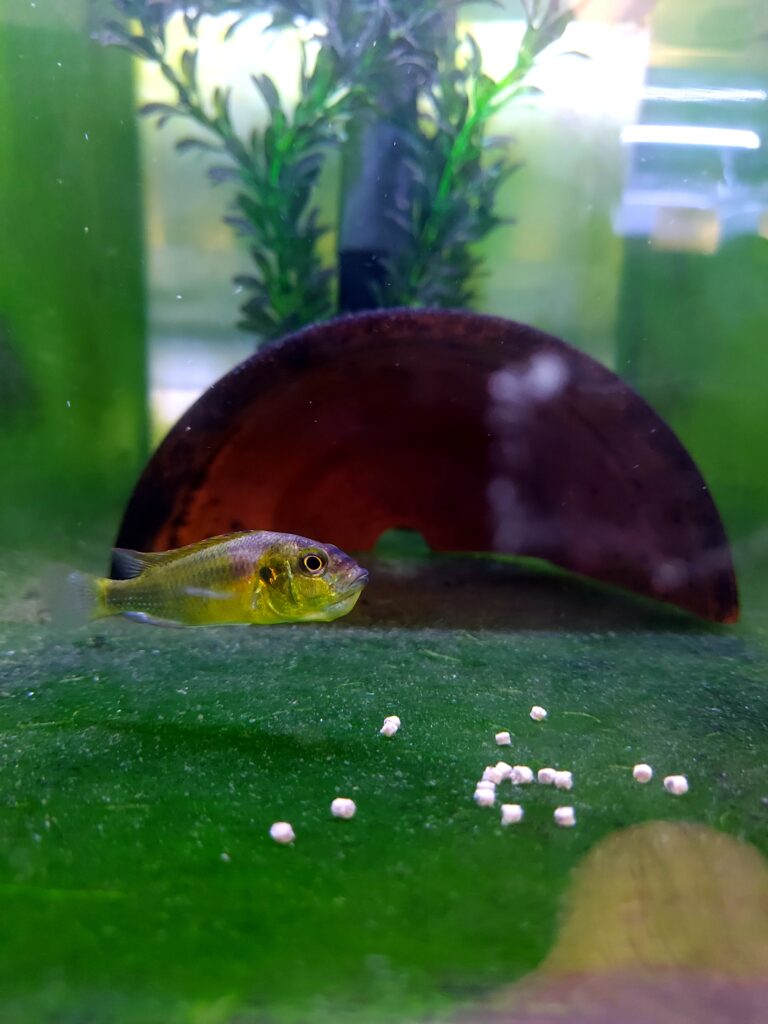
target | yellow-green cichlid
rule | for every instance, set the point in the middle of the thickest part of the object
(256, 578)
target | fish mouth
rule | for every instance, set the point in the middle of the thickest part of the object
(345, 601)
(357, 582)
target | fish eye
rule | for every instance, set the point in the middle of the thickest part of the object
(312, 563)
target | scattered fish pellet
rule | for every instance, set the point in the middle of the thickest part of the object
(504, 769)
(563, 780)
(521, 775)
(485, 797)
(676, 784)
(343, 807)
(511, 814)
(642, 773)
(391, 725)
(485, 784)
(492, 774)
(282, 832)
(565, 817)
(538, 714)
(546, 776)
(503, 739)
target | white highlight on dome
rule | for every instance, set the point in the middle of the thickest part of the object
(544, 377)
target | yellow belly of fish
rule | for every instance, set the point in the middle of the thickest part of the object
(184, 606)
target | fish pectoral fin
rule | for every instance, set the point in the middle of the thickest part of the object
(150, 620)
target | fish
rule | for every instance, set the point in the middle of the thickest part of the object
(253, 577)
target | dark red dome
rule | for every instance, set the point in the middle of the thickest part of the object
(481, 433)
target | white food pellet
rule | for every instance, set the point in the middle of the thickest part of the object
(642, 773)
(538, 714)
(563, 780)
(676, 784)
(503, 739)
(485, 784)
(511, 814)
(504, 769)
(492, 774)
(282, 832)
(565, 817)
(546, 776)
(522, 775)
(343, 807)
(485, 797)
(391, 725)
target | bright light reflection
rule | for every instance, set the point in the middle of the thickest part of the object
(695, 94)
(691, 135)
(168, 404)
(606, 86)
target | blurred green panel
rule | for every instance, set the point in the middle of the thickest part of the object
(72, 355)
(691, 338)
(691, 326)
(558, 266)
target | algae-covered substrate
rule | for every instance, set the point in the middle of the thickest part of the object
(142, 768)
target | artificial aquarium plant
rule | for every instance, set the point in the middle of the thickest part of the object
(364, 63)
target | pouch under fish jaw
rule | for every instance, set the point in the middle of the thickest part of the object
(290, 596)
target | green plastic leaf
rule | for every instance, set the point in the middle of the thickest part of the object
(551, 31)
(247, 281)
(475, 61)
(268, 91)
(220, 100)
(235, 26)
(189, 144)
(142, 47)
(112, 34)
(191, 21)
(322, 78)
(189, 64)
(239, 224)
(148, 109)
(221, 173)
(281, 18)
(264, 261)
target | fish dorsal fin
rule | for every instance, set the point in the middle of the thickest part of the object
(128, 564)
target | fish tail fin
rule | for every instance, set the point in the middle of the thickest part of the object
(78, 598)
(88, 596)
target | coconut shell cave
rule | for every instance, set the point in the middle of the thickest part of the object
(480, 433)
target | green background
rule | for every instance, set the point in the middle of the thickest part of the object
(132, 759)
